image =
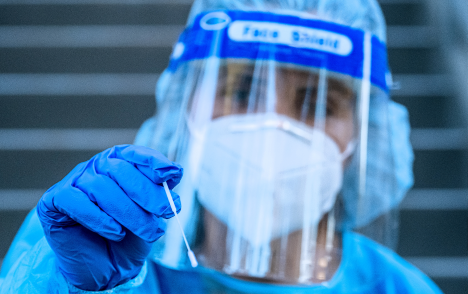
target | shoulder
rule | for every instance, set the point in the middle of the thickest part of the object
(35, 272)
(389, 269)
(28, 235)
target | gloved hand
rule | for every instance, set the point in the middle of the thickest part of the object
(103, 217)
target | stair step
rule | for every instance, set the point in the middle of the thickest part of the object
(139, 2)
(170, 12)
(79, 111)
(110, 2)
(25, 169)
(432, 112)
(417, 36)
(93, 14)
(64, 139)
(417, 85)
(414, 61)
(442, 267)
(439, 139)
(91, 36)
(404, 13)
(436, 199)
(452, 285)
(414, 85)
(19, 199)
(417, 199)
(441, 169)
(70, 36)
(84, 60)
(92, 139)
(61, 84)
(433, 233)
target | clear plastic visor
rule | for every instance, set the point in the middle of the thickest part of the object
(266, 147)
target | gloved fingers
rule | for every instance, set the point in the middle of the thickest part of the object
(167, 213)
(65, 207)
(150, 162)
(150, 196)
(111, 199)
(133, 247)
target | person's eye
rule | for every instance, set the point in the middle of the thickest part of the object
(339, 105)
(306, 100)
(241, 97)
(329, 110)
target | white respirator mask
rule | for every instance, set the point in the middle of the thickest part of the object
(267, 175)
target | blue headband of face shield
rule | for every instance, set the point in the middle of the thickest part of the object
(282, 38)
(294, 40)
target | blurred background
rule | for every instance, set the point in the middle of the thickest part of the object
(78, 76)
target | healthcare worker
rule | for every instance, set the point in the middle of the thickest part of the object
(279, 114)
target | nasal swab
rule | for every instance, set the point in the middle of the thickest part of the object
(193, 260)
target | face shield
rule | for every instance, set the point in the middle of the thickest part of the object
(273, 116)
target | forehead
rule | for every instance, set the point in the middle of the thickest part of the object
(285, 77)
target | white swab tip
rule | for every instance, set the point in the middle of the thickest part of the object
(193, 260)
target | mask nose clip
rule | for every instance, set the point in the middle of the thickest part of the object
(274, 121)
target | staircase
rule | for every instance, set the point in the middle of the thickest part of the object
(78, 76)
(434, 215)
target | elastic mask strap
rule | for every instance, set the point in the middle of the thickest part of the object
(348, 151)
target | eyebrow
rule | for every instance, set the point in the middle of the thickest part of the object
(340, 87)
(335, 93)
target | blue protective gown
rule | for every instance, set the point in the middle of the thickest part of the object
(366, 267)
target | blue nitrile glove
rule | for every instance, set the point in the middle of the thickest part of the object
(103, 217)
